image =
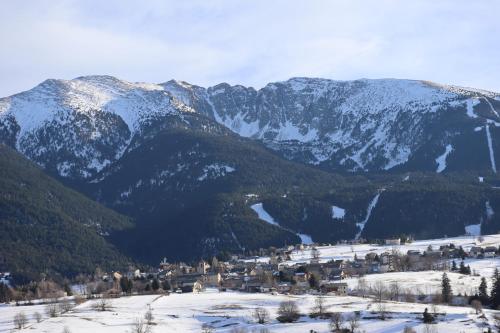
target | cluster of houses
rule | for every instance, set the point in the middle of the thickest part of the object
(254, 276)
(280, 275)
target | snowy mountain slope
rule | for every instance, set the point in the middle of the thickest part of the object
(75, 128)
(79, 126)
(349, 125)
(354, 125)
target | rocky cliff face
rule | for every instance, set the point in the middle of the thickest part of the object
(75, 128)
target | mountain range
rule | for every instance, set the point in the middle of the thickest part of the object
(201, 171)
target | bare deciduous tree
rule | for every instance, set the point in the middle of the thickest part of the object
(362, 287)
(139, 326)
(353, 321)
(37, 316)
(315, 253)
(288, 312)
(408, 329)
(207, 328)
(430, 328)
(320, 308)
(336, 322)
(477, 305)
(52, 310)
(395, 291)
(102, 304)
(66, 305)
(379, 291)
(20, 320)
(261, 315)
(382, 310)
(148, 316)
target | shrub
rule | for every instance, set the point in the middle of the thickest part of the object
(288, 312)
(20, 320)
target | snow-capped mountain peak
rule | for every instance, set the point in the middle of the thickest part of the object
(366, 124)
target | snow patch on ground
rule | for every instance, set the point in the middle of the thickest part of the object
(491, 107)
(215, 170)
(441, 160)
(471, 102)
(489, 210)
(263, 215)
(490, 148)
(305, 239)
(473, 229)
(337, 212)
(369, 210)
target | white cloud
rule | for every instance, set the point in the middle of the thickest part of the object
(250, 42)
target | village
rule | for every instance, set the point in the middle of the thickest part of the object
(278, 275)
(358, 274)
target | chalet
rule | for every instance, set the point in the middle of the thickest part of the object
(475, 252)
(337, 288)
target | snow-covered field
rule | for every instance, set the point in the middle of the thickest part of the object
(347, 251)
(227, 310)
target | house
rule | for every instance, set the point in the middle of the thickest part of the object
(189, 283)
(337, 288)
(301, 277)
(117, 276)
(490, 252)
(164, 264)
(374, 267)
(202, 267)
(394, 241)
(213, 279)
(475, 252)
(233, 282)
(284, 288)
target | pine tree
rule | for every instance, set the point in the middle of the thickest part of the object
(446, 291)
(453, 265)
(495, 290)
(427, 317)
(462, 269)
(155, 284)
(483, 291)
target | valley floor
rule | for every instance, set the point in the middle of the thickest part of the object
(226, 310)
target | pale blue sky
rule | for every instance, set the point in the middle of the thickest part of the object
(250, 42)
